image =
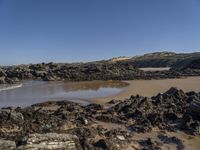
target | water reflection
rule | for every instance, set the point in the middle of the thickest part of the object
(36, 91)
(93, 85)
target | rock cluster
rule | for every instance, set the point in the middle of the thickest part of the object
(67, 125)
(171, 110)
(122, 70)
(49, 141)
(74, 71)
(195, 64)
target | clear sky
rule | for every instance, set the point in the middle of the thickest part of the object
(34, 31)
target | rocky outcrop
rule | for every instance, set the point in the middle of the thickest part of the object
(150, 145)
(195, 64)
(7, 145)
(194, 108)
(143, 113)
(49, 141)
(62, 124)
(4, 77)
(182, 65)
(165, 59)
(74, 71)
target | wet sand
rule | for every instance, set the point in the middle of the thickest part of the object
(153, 87)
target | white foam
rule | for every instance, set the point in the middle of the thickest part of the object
(5, 87)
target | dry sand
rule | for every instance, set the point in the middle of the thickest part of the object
(189, 142)
(153, 87)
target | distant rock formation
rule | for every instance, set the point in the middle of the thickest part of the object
(165, 59)
(159, 54)
(121, 68)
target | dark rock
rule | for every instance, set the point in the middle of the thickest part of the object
(83, 120)
(103, 144)
(85, 132)
(49, 78)
(11, 115)
(170, 116)
(9, 81)
(156, 119)
(194, 109)
(85, 144)
(94, 107)
(114, 101)
(172, 140)
(149, 145)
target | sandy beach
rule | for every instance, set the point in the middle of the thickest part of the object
(153, 87)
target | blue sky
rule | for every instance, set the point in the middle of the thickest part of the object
(34, 31)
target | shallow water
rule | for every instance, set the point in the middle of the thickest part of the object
(155, 69)
(32, 92)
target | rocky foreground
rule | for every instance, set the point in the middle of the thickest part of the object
(114, 126)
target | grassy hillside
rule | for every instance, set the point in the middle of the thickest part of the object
(164, 59)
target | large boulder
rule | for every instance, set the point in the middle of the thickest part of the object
(41, 74)
(2, 73)
(11, 121)
(49, 78)
(173, 91)
(10, 114)
(7, 145)
(49, 141)
(2, 80)
(194, 109)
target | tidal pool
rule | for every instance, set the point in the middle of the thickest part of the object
(31, 92)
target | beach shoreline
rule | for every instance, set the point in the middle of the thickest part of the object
(150, 88)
